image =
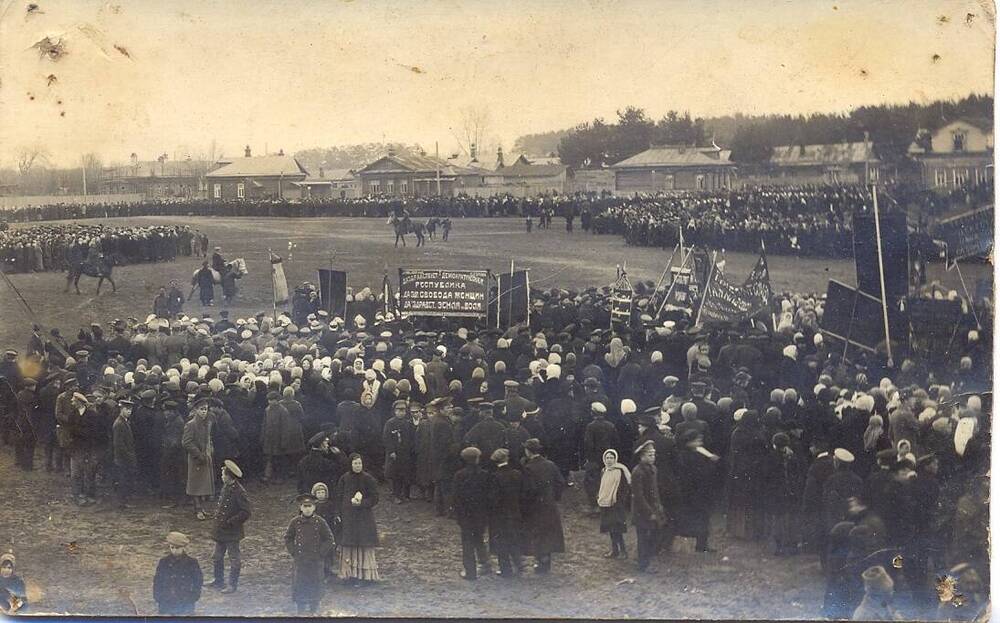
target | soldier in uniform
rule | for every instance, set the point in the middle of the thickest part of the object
(233, 511)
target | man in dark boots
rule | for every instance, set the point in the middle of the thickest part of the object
(233, 512)
(473, 499)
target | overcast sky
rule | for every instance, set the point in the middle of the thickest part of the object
(295, 75)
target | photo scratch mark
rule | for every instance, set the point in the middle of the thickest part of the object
(123, 51)
(943, 19)
(53, 49)
(935, 58)
(34, 9)
(415, 69)
(50, 80)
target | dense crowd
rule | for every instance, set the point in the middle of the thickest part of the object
(802, 450)
(808, 220)
(41, 248)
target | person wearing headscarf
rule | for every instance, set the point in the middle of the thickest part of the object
(614, 500)
(13, 594)
(875, 440)
(356, 496)
(599, 435)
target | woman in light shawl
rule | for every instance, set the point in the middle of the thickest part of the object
(613, 498)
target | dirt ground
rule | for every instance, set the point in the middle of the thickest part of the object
(364, 248)
(110, 568)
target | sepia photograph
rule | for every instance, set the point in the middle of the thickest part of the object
(599, 309)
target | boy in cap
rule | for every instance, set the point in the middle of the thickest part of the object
(233, 511)
(647, 511)
(177, 582)
(308, 541)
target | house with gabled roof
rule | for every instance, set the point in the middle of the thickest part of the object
(257, 177)
(663, 168)
(833, 163)
(956, 154)
(404, 174)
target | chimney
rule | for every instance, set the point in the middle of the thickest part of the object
(281, 152)
(472, 152)
(246, 152)
(135, 159)
(499, 157)
(321, 173)
(391, 151)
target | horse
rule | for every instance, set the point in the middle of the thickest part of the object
(99, 267)
(402, 227)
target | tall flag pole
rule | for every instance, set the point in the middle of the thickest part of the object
(708, 284)
(770, 292)
(510, 296)
(527, 298)
(881, 277)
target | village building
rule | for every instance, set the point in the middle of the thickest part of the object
(257, 177)
(836, 163)
(417, 175)
(331, 183)
(956, 154)
(156, 179)
(665, 168)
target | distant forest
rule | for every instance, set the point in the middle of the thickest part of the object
(892, 128)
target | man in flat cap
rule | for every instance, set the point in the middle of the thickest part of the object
(489, 434)
(323, 463)
(515, 403)
(505, 521)
(442, 441)
(197, 442)
(647, 511)
(543, 485)
(125, 458)
(473, 498)
(308, 540)
(233, 511)
(178, 578)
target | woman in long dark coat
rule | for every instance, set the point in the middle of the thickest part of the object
(357, 495)
(746, 448)
(543, 485)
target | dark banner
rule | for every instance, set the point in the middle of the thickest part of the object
(725, 302)
(333, 291)
(967, 234)
(621, 303)
(853, 316)
(513, 299)
(934, 317)
(895, 255)
(453, 293)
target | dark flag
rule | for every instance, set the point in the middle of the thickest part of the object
(388, 299)
(333, 291)
(725, 302)
(513, 298)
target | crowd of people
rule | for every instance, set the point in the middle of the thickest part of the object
(800, 449)
(41, 248)
(807, 220)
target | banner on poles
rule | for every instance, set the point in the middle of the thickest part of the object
(852, 316)
(725, 302)
(621, 302)
(278, 282)
(448, 293)
(513, 298)
(933, 323)
(967, 234)
(685, 292)
(333, 291)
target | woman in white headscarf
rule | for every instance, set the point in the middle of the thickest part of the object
(613, 498)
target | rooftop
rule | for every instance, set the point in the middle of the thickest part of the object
(675, 156)
(261, 166)
(836, 153)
